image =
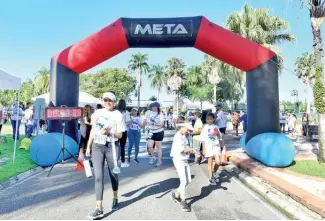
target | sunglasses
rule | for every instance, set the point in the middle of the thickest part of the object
(107, 100)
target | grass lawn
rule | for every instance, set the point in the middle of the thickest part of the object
(23, 160)
(308, 167)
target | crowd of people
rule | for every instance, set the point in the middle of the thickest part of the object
(113, 124)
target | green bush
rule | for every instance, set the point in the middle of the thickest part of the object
(319, 91)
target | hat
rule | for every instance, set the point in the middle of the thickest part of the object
(135, 109)
(218, 106)
(188, 125)
(155, 104)
(109, 95)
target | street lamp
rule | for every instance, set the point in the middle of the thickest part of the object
(214, 79)
(174, 83)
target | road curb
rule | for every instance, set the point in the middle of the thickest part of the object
(282, 201)
(20, 177)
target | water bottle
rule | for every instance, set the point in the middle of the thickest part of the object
(88, 171)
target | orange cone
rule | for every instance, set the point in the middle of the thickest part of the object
(81, 161)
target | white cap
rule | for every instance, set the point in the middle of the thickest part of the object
(188, 125)
(109, 95)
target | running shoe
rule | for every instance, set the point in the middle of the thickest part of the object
(136, 160)
(158, 164)
(212, 182)
(152, 161)
(115, 204)
(185, 206)
(123, 165)
(175, 198)
(96, 214)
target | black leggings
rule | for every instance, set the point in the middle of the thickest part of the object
(99, 154)
(0, 127)
(122, 142)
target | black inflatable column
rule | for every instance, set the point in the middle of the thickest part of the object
(263, 99)
(64, 90)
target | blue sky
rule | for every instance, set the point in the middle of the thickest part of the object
(32, 31)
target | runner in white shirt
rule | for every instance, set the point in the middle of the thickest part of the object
(106, 122)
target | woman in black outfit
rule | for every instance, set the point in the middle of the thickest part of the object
(121, 106)
(85, 128)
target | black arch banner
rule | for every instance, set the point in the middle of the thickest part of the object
(197, 32)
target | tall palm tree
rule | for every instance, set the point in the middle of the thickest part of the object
(305, 70)
(139, 63)
(261, 27)
(42, 81)
(158, 78)
(316, 10)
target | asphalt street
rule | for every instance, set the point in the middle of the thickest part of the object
(144, 194)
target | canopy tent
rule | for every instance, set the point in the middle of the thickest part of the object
(84, 99)
(10, 82)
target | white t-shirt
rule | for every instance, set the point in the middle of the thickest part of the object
(222, 120)
(179, 144)
(154, 117)
(283, 120)
(136, 123)
(16, 115)
(103, 118)
(291, 121)
(28, 118)
(207, 137)
(126, 118)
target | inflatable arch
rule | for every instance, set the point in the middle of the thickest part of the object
(198, 32)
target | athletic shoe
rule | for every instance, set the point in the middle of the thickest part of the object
(203, 160)
(136, 160)
(96, 214)
(125, 165)
(175, 198)
(212, 182)
(115, 204)
(158, 164)
(215, 178)
(152, 161)
(185, 206)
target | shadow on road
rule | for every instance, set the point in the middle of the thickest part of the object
(224, 177)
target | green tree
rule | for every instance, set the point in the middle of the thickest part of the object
(305, 70)
(201, 93)
(42, 81)
(316, 9)
(7, 97)
(258, 25)
(27, 91)
(158, 78)
(152, 98)
(139, 63)
(104, 80)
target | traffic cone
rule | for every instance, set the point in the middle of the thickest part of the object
(81, 161)
(224, 156)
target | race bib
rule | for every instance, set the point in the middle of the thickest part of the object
(100, 139)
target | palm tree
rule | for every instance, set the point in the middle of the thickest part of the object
(158, 78)
(316, 10)
(176, 67)
(261, 27)
(139, 63)
(294, 94)
(305, 70)
(42, 81)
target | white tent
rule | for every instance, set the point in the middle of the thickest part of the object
(84, 99)
(10, 82)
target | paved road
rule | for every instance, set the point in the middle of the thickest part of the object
(144, 194)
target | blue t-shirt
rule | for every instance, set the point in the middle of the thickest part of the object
(244, 119)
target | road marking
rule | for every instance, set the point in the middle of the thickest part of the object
(282, 217)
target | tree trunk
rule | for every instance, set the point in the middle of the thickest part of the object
(201, 104)
(318, 51)
(308, 99)
(139, 87)
(158, 95)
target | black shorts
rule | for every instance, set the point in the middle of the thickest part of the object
(223, 130)
(157, 136)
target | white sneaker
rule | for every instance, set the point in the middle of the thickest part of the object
(125, 165)
(152, 161)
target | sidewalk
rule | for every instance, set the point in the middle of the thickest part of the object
(307, 190)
